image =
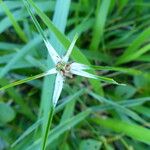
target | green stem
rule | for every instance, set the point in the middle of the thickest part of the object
(48, 125)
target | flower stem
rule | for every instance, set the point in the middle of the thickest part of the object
(48, 125)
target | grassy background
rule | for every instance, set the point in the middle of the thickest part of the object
(90, 115)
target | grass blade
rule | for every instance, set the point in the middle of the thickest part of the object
(48, 125)
(20, 54)
(17, 28)
(137, 54)
(132, 130)
(33, 127)
(130, 71)
(54, 56)
(52, 71)
(99, 24)
(134, 46)
(121, 108)
(60, 129)
(18, 99)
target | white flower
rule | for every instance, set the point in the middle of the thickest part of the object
(64, 69)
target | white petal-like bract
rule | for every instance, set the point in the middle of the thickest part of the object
(78, 66)
(51, 71)
(66, 57)
(52, 52)
(82, 73)
(58, 88)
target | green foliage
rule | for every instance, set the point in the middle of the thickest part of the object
(114, 43)
(99, 26)
(7, 114)
(90, 144)
(131, 130)
(14, 22)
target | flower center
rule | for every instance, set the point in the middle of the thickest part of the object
(64, 68)
(61, 66)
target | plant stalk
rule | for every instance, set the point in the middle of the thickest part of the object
(48, 125)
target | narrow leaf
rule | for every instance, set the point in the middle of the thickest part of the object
(17, 28)
(46, 129)
(100, 24)
(134, 46)
(55, 57)
(61, 128)
(121, 108)
(136, 54)
(52, 71)
(130, 71)
(135, 131)
(27, 132)
(39, 122)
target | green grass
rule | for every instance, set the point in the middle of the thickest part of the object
(113, 41)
